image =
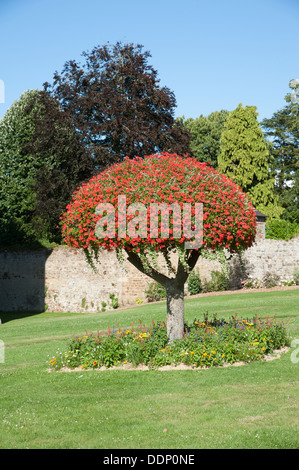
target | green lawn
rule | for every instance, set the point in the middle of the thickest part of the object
(249, 407)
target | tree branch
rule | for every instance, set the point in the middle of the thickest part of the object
(193, 258)
(134, 259)
(182, 274)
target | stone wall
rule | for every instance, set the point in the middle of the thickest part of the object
(275, 256)
(62, 280)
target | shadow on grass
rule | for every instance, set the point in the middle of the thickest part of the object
(10, 316)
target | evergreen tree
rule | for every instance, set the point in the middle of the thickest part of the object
(245, 159)
(205, 135)
(283, 130)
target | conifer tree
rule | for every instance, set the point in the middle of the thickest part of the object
(244, 158)
(283, 130)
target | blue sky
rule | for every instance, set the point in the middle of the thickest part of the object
(212, 54)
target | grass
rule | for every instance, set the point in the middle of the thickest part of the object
(252, 406)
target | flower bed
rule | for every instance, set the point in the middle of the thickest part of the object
(205, 343)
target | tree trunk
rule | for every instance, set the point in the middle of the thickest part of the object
(175, 310)
(174, 291)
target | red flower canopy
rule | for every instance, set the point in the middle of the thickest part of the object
(228, 216)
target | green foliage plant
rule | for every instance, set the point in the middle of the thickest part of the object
(218, 282)
(268, 280)
(155, 292)
(296, 276)
(281, 229)
(194, 283)
(114, 301)
(204, 343)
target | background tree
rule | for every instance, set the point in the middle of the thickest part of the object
(17, 172)
(205, 135)
(66, 164)
(245, 159)
(283, 130)
(228, 216)
(38, 171)
(117, 106)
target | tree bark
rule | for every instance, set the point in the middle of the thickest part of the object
(175, 310)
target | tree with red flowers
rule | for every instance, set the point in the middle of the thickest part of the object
(143, 207)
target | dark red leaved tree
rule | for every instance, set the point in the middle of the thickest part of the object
(117, 105)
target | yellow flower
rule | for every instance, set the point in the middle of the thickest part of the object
(191, 352)
(204, 354)
(128, 331)
(213, 352)
(263, 349)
